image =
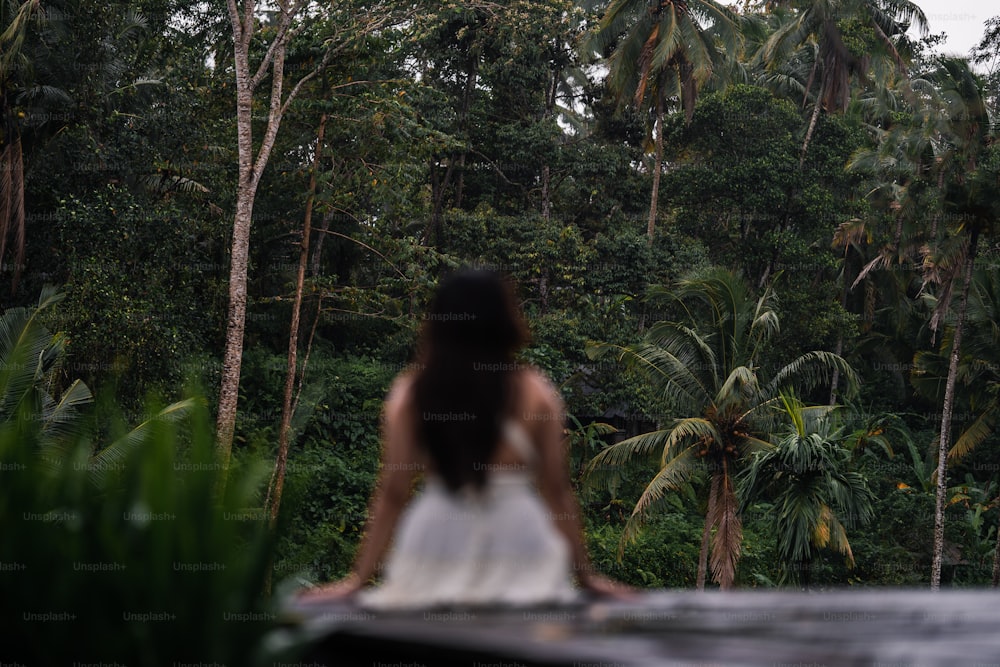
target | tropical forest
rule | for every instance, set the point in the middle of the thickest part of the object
(753, 244)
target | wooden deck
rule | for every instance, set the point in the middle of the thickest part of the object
(864, 627)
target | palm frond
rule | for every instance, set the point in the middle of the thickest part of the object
(750, 446)
(983, 427)
(670, 375)
(162, 183)
(44, 95)
(686, 430)
(690, 345)
(669, 478)
(739, 388)
(617, 18)
(61, 419)
(113, 456)
(12, 37)
(606, 467)
(811, 369)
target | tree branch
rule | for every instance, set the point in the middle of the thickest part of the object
(281, 39)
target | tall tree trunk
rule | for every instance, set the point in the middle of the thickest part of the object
(460, 184)
(996, 561)
(317, 253)
(434, 232)
(809, 132)
(236, 321)
(546, 197)
(728, 536)
(550, 105)
(250, 168)
(273, 501)
(835, 381)
(239, 254)
(471, 77)
(12, 217)
(946, 413)
(657, 168)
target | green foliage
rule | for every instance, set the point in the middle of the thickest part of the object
(664, 555)
(121, 260)
(136, 533)
(737, 185)
(333, 458)
(182, 573)
(31, 359)
(814, 494)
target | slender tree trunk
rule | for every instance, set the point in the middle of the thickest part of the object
(657, 168)
(434, 232)
(236, 322)
(546, 200)
(809, 132)
(470, 87)
(728, 538)
(273, 501)
(317, 252)
(946, 413)
(835, 381)
(250, 168)
(937, 214)
(272, 66)
(996, 560)
(239, 254)
(460, 183)
(12, 216)
(550, 105)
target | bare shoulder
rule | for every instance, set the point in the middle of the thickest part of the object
(400, 395)
(539, 394)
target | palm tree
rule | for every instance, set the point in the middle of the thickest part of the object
(664, 52)
(14, 22)
(985, 55)
(826, 34)
(970, 203)
(814, 497)
(946, 156)
(979, 385)
(708, 369)
(31, 361)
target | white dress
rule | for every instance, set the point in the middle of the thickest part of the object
(499, 547)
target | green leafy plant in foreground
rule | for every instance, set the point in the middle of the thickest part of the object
(143, 565)
(133, 555)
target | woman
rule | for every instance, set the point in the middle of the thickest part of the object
(496, 521)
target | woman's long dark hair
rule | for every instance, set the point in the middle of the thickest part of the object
(466, 361)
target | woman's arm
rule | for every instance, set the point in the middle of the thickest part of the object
(545, 418)
(400, 466)
(395, 481)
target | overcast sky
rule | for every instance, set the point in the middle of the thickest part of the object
(962, 20)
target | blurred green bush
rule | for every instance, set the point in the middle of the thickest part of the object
(141, 552)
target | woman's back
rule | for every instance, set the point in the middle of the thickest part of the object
(470, 546)
(516, 448)
(496, 520)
